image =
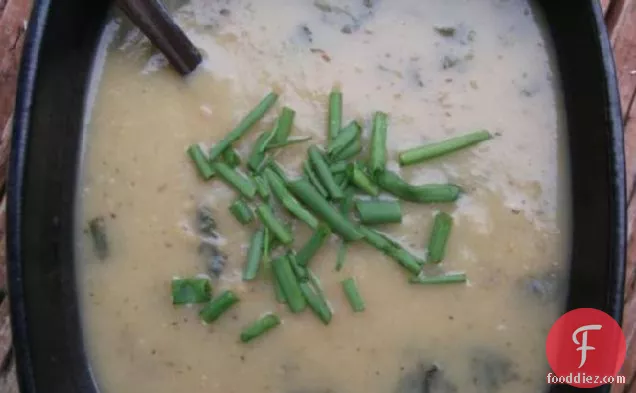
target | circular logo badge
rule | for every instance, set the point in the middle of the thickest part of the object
(585, 345)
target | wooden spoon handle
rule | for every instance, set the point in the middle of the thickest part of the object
(156, 23)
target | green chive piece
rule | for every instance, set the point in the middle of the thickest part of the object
(426, 193)
(290, 141)
(353, 295)
(235, 179)
(316, 302)
(448, 278)
(254, 255)
(191, 290)
(361, 180)
(200, 161)
(266, 214)
(439, 237)
(335, 114)
(244, 126)
(379, 212)
(276, 167)
(426, 152)
(288, 200)
(375, 239)
(377, 159)
(217, 306)
(338, 167)
(315, 282)
(289, 283)
(257, 154)
(405, 258)
(345, 210)
(341, 256)
(286, 120)
(348, 152)
(315, 242)
(311, 175)
(278, 291)
(299, 271)
(259, 327)
(312, 199)
(345, 137)
(241, 211)
(339, 177)
(267, 245)
(322, 170)
(347, 203)
(262, 188)
(392, 249)
(231, 157)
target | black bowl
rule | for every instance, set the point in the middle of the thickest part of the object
(45, 157)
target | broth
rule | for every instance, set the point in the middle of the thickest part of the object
(492, 70)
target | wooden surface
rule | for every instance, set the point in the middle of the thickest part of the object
(621, 20)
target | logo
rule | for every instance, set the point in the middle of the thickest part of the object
(588, 343)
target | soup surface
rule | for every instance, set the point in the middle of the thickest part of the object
(439, 69)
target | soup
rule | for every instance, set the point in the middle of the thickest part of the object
(438, 70)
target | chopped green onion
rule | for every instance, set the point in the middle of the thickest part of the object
(345, 210)
(285, 122)
(259, 327)
(278, 291)
(439, 237)
(217, 306)
(241, 211)
(405, 258)
(311, 175)
(315, 282)
(361, 180)
(200, 161)
(448, 278)
(375, 239)
(348, 152)
(99, 237)
(288, 200)
(289, 283)
(392, 249)
(322, 170)
(279, 171)
(231, 157)
(377, 159)
(379, 212)
(299, 271)
(254, 255)
(244, 126)
(338, 167)
(290, 141)
(311, 198)
(426, 152)
(340, 177)
(353, 296)
(317, 303)
(347, 203)
(262, 188)
(235, 179)
(191, 290)
(335, 114)
(257, 154)
(345, 137)
(268, 219)
(315, 242)
(427, 193)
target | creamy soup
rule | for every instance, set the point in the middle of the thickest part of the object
(438, 69)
